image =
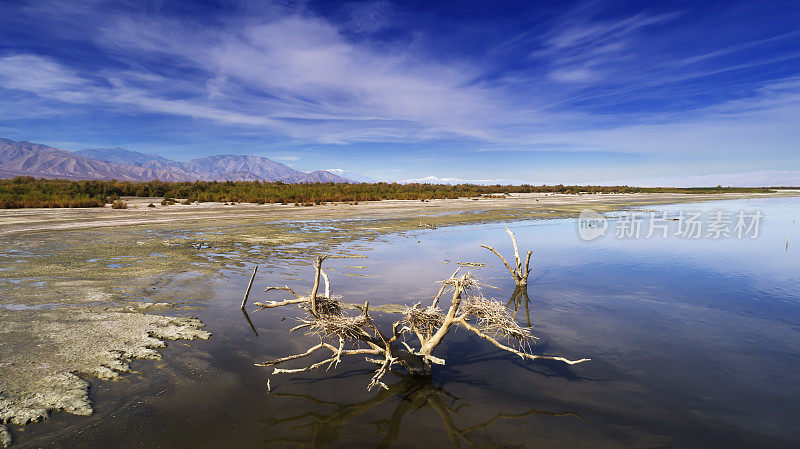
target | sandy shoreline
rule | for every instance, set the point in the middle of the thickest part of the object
(14, 221)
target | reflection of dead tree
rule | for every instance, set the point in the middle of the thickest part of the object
(520, 297)
(344, 335)
(519, 272)
(415, 394)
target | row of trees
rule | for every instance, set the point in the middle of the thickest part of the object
(24, 192)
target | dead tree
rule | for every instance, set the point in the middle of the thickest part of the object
(343, 335)
(520, 272)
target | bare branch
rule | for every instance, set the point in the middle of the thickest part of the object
(360, 351)
(327, 284)
(435, 301)
(338, 357)
(273, 304)
(471, 264)
(315, 289)
(527, 263)
(431, 343)
(395, 334)
(407, 346)
(516, 249)
(249, 286)
(285, 288)
(510, 270)
(301, 326)
(433, 359)
(337, 354)
(376, 379)
(293, 357)
(523, 355)
(307, 368)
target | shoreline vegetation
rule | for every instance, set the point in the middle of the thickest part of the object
(30, 192)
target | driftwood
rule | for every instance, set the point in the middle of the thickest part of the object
(344, 335)
(520, 272)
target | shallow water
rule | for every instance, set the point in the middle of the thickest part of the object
(694, 343)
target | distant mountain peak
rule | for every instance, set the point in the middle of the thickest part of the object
(22, 158)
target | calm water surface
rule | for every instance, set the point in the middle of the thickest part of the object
(694, 343)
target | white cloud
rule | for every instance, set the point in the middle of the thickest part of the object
(294, 76)
(581, 48)
(39, 74)
(282, 157)
(308, 71)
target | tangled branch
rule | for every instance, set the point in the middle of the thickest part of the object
(324, 318)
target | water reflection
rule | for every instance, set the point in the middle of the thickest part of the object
(694, 344)
(247, 317)
(520, 297)
(323, 428)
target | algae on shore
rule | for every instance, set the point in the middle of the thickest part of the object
(40, 369)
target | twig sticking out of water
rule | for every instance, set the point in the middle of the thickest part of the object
(520, 272)
(249, 286)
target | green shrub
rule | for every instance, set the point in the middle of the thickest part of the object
(31, 192)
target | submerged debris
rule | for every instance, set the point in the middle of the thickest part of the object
(471, 264)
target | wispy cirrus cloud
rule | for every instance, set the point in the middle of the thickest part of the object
(308, 75)
(581, 48)
(589, 78)
(42, 75)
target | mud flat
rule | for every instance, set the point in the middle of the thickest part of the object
(88, 290)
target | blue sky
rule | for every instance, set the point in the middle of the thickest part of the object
(491, 91)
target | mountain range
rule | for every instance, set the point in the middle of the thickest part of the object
(22, 158)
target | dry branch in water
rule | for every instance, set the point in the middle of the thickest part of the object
(520, 272)
(249, 286)
(357, 334)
